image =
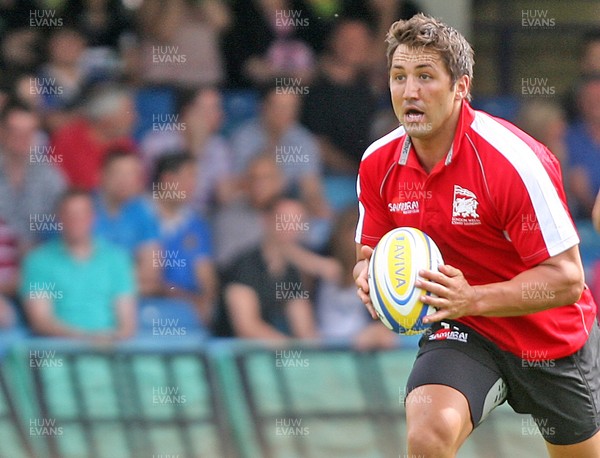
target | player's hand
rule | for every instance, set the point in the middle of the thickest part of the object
(361, 278)
(456, 297)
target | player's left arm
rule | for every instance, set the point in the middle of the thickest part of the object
(557, 281)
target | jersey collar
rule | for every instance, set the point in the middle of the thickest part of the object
(467, 115)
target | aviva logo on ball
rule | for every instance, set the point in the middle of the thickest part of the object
(398, 252)
(393, 271)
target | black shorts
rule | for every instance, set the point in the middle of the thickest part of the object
(562, 395)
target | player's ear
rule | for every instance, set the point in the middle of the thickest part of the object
(461, 87)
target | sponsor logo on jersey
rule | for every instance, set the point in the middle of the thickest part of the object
(445, 333)
(464, 207)
(406, 208)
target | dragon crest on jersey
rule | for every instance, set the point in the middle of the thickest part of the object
(464, 207)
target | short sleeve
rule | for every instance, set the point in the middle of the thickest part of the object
(34, 271)
(373, 220)
(532, 207)
(149, 228)
(204, 247)
(122, 272)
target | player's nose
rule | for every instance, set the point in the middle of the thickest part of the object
(411, 88)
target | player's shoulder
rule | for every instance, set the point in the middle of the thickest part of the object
(499, 136)
(502, 134)
(384, 147)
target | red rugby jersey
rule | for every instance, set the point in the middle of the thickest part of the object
(495, 207)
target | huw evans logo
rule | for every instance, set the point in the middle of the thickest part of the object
(44, 290)
(167, 395)
(168, 259)
(44, 154)
(287, 291)
(168, 191)
(44, 18)
(164, 122)
(290, 18)
(44, 86)
(290, 222)
(290, 358)
(287, 85)
(168, 55)
(290, 155)
(44, 358)
(538, 87)
(41, 222)
(167, 327)
(290, 427)
(44, 427)
(537, 19)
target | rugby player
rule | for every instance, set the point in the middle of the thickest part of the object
(515, 321)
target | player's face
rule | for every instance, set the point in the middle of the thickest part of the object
(423, 96)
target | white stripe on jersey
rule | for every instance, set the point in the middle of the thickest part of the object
(393, 135)
(556, 226)
(361, 213)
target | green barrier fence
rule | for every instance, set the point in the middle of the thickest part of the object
(185, 398)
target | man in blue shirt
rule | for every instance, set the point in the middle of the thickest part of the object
(583, 147)
(124, 217)
(185, 254)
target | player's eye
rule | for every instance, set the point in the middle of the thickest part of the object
(425, 76)
(399, 77)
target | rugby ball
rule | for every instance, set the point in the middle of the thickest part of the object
(393, 271)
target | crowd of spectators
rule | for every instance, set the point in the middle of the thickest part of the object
(123, 178)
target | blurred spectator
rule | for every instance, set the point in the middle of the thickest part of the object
(340, 105)
(195, 128)
(589, 65)
(103, 22)
(125, 218)
(238, 226)
(78, 285)
(180, 41)
(278, 131)
(379, 15)
(15, 14)
(266, 42)
(26, 90)
(186, 245)
(61, 79)
(264, 297)
(545, 121)
(339, 310)
(30, 184)
(9, 261)
(590, 56)
(19, 50)
(596, 213)
(8, 318)
(583, 148)
(105, 124)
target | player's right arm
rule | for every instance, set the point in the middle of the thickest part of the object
(374, 219)
(361, 278)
